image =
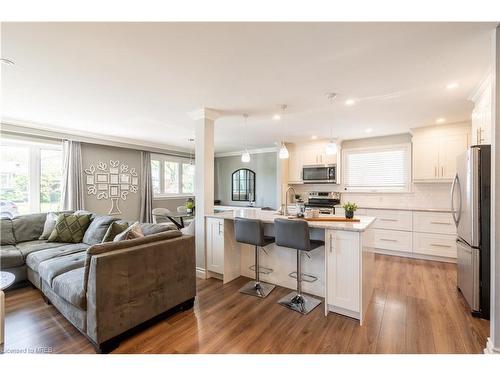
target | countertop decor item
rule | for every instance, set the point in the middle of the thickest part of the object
(349, 209)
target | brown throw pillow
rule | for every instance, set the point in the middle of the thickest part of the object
(70, 228)
(113, 230)
(134, 231)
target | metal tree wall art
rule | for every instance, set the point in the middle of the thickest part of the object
(112, 181)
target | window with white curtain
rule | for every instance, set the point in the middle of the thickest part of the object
(377, 169)
(30, 176)
(172, 176)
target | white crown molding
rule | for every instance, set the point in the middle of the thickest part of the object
(46, 131)
(254, 151)
(204, 113)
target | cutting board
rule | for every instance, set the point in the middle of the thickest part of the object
(334, 218)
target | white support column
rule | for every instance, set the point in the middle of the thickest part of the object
(204, 179)
(493, 344)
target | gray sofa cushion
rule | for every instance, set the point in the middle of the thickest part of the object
(34, 259)
(28, 227)
(97, 229)
(69, 286)
(54, 267)
(30, 246)
(10, 256)
(7, 233)
(149, 229)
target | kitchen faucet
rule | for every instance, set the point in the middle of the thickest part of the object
(286, 198)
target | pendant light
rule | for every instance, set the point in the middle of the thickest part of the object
(245, 157)
(283, 153)
(191, 161)
(331, 147)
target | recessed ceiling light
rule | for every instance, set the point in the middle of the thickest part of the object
(452, 85)
(368, 130)
(277, 117)
(440, 120)
(350, 102)
(7, 61)
(313, 137)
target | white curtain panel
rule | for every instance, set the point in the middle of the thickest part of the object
(146, 215)
(72, 185)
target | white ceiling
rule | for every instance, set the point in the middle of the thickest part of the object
(140, 80)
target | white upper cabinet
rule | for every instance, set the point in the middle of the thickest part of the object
(482, 113)
(310, 153)
(435, 152)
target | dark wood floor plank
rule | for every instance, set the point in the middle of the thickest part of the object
(415, 308)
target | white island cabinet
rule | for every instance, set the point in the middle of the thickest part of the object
(349, 270)
(342, 269)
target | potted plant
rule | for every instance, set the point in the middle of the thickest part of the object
(298, 198)
(190, 205)
(349, 209)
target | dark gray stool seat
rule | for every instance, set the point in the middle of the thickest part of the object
(294, 234)
(251, 232)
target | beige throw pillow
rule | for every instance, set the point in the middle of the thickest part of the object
(134, 231)
(48, 227)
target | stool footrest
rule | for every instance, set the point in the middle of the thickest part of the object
(305, 277)
(262, 270)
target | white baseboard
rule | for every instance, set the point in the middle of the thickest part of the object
(414, 255)
(490, 349)
(201, 273)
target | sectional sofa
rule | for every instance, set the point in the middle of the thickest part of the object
(106, 290)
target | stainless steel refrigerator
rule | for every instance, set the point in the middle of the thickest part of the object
(470, 204)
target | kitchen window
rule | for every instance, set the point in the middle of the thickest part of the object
(30, 177)
(172, 176)
(377, 169)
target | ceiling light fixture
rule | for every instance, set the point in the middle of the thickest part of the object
(314, 137)
(276, 117)
(452, 85)
(440, 120)
(245, 157)
(350, 102)
(7, 61)
(283, 153)
(331, 147)
(368, 130)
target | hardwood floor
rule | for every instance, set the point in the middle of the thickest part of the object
(415, 308)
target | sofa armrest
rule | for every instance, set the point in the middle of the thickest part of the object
(129, 286)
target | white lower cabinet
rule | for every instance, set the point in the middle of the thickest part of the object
(420, 234)
(394, 240)
(215, 245)
(343, 270)
(439, 245)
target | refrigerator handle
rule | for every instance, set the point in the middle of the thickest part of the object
(453, 211)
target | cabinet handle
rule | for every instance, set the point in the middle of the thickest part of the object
(331, 243)
(435, 171)
(440, 222)
(219, 228)
(439, 245)
(388, 240)
(381, 219)
(477, 136)
(442, 171)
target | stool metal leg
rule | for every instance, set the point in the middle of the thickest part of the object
(296, 300)
(256, 287)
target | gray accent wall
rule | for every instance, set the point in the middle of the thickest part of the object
(130, 208)
(265, 167)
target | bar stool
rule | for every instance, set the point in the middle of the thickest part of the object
(251, 231)
(294, 234)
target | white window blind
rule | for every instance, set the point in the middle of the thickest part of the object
(377, 169)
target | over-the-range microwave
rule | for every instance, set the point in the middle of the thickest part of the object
(319, 174)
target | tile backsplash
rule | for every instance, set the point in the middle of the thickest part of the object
(435, 195)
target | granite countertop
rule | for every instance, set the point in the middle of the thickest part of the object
(419, 209)
(269, 216)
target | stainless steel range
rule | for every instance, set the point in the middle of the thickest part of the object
(324, 201)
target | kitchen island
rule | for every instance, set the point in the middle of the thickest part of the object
(343, 267)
